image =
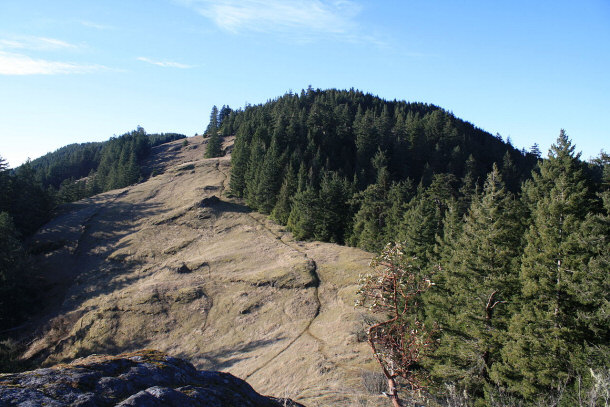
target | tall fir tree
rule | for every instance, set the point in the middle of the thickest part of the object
(481, 283)
(214, 147)
(269, 181)
(546, 344)
(594, 287)
(282, 208)
(334, 212)
(422, 222)
(303, 214)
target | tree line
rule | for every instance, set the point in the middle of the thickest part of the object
(80, 170)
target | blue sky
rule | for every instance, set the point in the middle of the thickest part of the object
(84, 70)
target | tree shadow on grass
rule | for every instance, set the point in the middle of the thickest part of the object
(224, 358)
(219, 206)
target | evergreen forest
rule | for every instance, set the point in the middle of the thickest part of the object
(514, 248)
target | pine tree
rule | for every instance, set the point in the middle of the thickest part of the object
(240, 157)
(253, 173)
(334, 214)
(214, 147)
(212, 127)
(594, 286)
(546, 341)
(30, 206)
(423, 220)
(370, 220)
(269, 180)
(304, 213)
(5, 186)
(481, 280)
(282, 208)
(367, 138)
(398, 196)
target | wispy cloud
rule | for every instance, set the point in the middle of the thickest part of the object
(97, 26)
(301, 19)
(34, 43)
(18, 64)
(165, 64)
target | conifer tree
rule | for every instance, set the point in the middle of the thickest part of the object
(334, 214)
(398, 196)
(282, 208)
(240, 157)
(546, 341)
(269, 180)
(5, 186)
(369, 221)
(594, 287)
(253, 173)
(423, 221)
(367, 138)
(214, 147)
(481, 281)
(303, 215)
(213, 124)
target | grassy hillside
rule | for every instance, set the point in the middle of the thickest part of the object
(174, 264)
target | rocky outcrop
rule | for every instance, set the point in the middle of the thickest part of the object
(143, 378)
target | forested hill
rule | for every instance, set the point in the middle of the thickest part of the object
(77, 161)
(32, 190)
(340, 165)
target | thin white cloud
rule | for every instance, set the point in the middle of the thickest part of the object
(304, 19)
(97, 26)
(165, 64)
(18, 64)
(34, 43)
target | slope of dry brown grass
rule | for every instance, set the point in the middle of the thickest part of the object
(165, 265)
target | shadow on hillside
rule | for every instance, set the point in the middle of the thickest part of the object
(221, 206)
(108, 347)
(101, 273)
(159, 158)
(81, 270)
(226, 357)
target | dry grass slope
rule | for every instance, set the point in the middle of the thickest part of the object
(175, 265)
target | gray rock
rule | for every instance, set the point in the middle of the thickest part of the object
(143, 378)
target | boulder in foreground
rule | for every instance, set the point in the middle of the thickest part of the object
(143, 378)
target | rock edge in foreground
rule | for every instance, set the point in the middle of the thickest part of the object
(142, 378)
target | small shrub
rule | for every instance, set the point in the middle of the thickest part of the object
(374, 382)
